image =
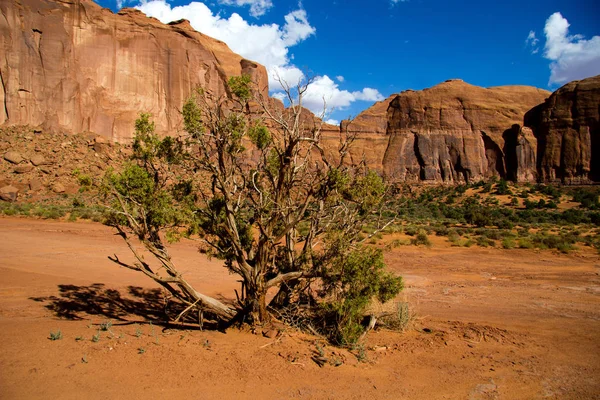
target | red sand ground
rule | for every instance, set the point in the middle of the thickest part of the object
(491, 324)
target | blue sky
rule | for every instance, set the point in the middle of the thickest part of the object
(362, 51)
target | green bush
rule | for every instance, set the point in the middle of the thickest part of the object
(421, 239)
(363, 277)
(526, 243)
(508, 243)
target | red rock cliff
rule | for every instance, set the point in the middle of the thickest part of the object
(455, 132)
(567, 128)
(73, 66)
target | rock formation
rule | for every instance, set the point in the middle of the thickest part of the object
(457, 132)
(373, 120)
(72, 66)
(567, 128)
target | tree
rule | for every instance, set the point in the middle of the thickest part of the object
(263, 194)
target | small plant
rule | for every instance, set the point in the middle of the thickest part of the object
(96, 337)
(106, 325)
(154, 334)
(138, 332)
(399, 319)
(79, 338)
(55, 335)
(361, 354)
(141, 350)
(84, 359)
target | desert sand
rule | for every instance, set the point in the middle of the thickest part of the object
(488, 324)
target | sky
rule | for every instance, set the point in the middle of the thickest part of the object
(357, 52)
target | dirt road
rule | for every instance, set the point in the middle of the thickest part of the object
(490, 324)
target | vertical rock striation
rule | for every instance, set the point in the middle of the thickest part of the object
(567, 129)
(456, 132)
(73, 66)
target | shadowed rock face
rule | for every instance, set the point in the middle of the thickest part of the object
(74, 66)
(568, 133)
(456, 132)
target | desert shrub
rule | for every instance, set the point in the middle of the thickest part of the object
(410, 230)
(468, 243)
(441, 230)
(508, 243)
(588, 198)
(363, 278)
(502, 188)
(85, 180)
(399, 318)
(549, 190)
(453, 237)
(483, 241)
(525, 243)
(421, 239)
(397, 243)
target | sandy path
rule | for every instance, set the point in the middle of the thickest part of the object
(500, 324)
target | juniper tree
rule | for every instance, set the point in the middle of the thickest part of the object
(263, 194)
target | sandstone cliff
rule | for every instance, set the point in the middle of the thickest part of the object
(459, 132)
(373, 120)
(567, 128)
(72, 66)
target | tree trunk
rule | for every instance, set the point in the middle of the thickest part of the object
(257, 305)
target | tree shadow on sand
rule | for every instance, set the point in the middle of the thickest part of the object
(79, 302)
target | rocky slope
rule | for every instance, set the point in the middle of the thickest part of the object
(568, 131)
(72, 66)
(455, 132)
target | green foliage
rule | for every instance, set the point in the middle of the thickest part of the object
(508, 243)
(260, 136)
(354, 280)
(367, 191)
(142, 195)
(421, 239)
(587, 197)
(240, 86)
(55, 335)
(85, 180)
(502, 188)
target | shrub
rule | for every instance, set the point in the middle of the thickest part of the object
(525, 243)
(508, 243)
(421, 239)
(362, 278)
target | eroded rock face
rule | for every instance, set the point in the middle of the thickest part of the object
(373, 120)
(456, 132)
(568, 133)
(72, 66)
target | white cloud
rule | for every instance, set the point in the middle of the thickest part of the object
(267, 44)
(532, 42)
(332, 122)
(573, 57)
(257, 7)
(322, 91)
(340, 78)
